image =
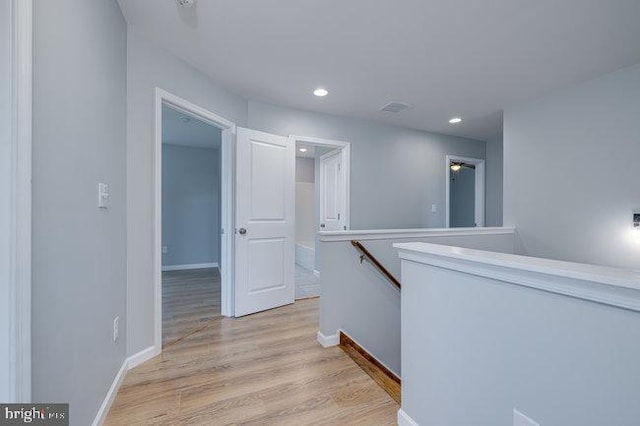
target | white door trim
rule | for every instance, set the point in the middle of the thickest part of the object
(345, 147)
(480, 187)
(20, 200)
(227, 188)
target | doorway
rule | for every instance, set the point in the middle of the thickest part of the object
(464, 192)
(176, 236)
(322, 195)
(191, 237)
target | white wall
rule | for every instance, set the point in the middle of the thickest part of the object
(5, 197)
(477, 342)
(390, 166)
(571, 171)
(494, 169)
(190, 205)
(305, 201)
(79, 257)
(150, 66)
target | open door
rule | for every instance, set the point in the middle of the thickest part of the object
(332, 192)
(265, 194)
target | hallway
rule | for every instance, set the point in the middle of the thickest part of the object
(265, 368)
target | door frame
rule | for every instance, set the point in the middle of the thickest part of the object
(18, 198)
(479, 190)
(345, 148)
(227, 157)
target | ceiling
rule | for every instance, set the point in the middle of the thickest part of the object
(467, 58)
(181, 129)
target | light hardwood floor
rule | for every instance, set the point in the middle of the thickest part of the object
(263, 369)
(190, 299)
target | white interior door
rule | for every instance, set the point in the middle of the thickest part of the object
(265, 197)
(332, 192)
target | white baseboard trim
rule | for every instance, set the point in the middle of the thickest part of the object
(127, 364)
(190, 266)
(111, 395)
(142, 356)
(328, 341)
(405, 420)
(316, 273)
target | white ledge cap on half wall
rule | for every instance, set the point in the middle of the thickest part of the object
(602, 284)
(379, 234)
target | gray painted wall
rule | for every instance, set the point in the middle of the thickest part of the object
(462, 196)
(396, 173)
(5, 196)
(355, 298)
(150, 66)
(571, 175)
(493, 195)
(305, 170)
(79, 251)
(190, 205)
(474, 348)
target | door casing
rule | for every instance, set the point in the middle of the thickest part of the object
(479, 192)
(227, 152)
(18, 200)
(345, 149)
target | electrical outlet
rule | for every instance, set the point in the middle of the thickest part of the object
(103, 195)
(520, 419)
(434, 208)
(116, 320)
(165, 250)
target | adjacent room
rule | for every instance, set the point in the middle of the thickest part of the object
(191, 243)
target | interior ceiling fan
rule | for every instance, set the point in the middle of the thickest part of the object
(459, 165)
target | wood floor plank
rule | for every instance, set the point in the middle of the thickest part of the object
(190, 299)
(263, 369)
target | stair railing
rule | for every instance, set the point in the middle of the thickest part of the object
(366, 254)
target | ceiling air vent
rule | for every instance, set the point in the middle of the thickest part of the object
(395, 107)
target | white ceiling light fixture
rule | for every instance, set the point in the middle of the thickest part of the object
(186, 3)
(455, 120)
(303, 150)
(320, 92)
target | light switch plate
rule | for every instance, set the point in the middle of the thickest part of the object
(520, 419)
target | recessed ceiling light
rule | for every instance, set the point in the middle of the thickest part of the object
(321, 92)
(303, 150)
(455, 120)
